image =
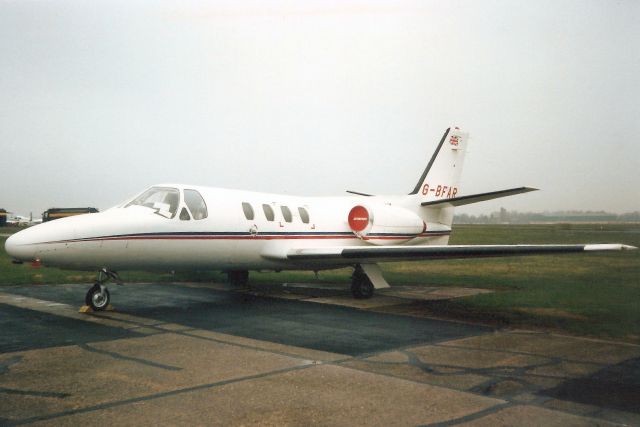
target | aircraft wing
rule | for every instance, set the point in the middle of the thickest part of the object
(358, 254)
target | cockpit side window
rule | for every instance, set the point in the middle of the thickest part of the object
(196, 204)
(164, 200)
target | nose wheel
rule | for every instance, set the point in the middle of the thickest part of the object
(97, 297)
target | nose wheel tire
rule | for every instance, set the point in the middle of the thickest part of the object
(97, 298)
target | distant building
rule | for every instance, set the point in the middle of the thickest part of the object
(3, 218)
(57, 213)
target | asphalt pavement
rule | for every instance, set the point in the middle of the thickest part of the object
(206, 354)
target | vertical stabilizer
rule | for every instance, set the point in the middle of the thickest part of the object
(441, 177)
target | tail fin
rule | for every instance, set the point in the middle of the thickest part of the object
(438, 190)
(441, 177)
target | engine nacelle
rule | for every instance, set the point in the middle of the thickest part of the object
(385, 225)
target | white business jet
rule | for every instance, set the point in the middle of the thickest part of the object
(184, 227)
(23, 221)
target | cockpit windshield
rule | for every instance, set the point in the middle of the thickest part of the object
(164, 200)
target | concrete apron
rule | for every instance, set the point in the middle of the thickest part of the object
(170, 373)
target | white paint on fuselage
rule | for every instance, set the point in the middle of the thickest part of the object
(135, 237)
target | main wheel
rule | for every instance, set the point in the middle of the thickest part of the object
(362, 290)
(97, 298)
(361, 286)
(238, 278)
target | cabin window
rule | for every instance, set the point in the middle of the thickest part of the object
(304, 215)
(163, 200)
(195, 203)
(268, 212)
(184, 215)
(248, 211)
(286, 213)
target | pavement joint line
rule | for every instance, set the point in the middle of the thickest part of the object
(414, 345)
(251, 347)
(147, 398)
(472, 417)
(591, 339)
(119, 356)
(34, 393)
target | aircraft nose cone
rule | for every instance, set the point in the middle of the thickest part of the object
(19, 248)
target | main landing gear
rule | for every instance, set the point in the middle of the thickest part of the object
(361, 285)
(98, 296)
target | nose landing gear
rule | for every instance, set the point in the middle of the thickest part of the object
(98, 297)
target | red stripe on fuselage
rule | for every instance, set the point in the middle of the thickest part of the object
(265, 236)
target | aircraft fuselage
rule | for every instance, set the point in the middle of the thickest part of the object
(130, 237)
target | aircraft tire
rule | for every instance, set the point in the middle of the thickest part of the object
(361, 285)
(97, 298)
(362, 290)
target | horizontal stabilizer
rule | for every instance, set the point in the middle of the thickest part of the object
(400, 253)
(475, 198)
(357, 193)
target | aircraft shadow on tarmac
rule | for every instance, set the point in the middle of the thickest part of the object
(322, 327)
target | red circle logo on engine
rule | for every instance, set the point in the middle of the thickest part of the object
(358, 218)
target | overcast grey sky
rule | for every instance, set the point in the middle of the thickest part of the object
(101, 99)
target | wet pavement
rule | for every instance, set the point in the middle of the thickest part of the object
(293, 355)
